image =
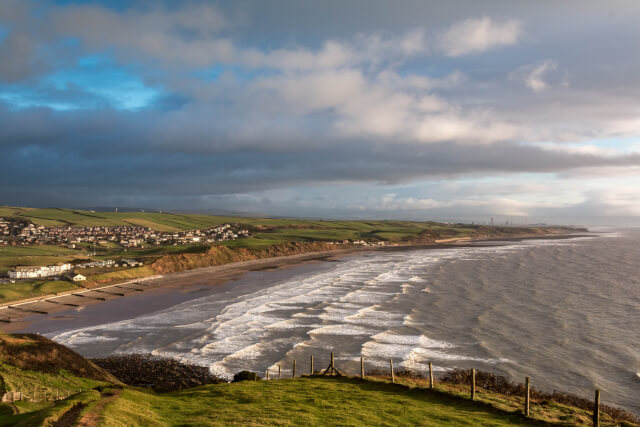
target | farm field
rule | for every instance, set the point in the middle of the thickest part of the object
(36, 255)
(29, 289)
(262, 228)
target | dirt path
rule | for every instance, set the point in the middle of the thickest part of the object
(91, 418)
(69, 418)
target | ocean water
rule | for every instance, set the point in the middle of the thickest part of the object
(565, 312)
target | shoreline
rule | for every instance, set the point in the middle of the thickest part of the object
(17, 315)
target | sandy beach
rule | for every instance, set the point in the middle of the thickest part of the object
(143, 296)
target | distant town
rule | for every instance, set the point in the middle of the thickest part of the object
(15, 232)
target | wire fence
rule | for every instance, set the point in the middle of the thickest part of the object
(332, 370)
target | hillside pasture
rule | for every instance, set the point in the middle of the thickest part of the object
(11, 256)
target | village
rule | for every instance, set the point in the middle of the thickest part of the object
(14, 232)
(17, 232)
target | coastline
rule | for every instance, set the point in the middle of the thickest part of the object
(18, 315)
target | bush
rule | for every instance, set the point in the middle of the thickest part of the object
(246, 376)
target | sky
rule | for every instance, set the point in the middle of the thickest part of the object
(450, 110)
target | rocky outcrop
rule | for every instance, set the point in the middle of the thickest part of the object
(164, 375)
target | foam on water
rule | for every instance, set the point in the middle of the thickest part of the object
(342, 330)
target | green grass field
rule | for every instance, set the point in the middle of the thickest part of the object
(31, 363)
(29, 289)
(78, 218)
(36, 255)
(266, 228)
(59, 384)
(317, 401)
(264, 232)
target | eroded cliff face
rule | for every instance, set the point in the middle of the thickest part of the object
(219, 255)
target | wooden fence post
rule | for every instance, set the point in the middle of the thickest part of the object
(393, 378)
(294, 369)
(527, 389)
(361, 367)
(596, 409)
(311, 369)
(473, 383)
(279, 372)
(430, 375)
(266, 374)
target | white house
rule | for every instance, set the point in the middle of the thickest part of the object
(31, 272)
(79, 278)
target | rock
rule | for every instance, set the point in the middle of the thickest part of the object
(163, 375)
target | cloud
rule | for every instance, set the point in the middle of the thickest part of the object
(227, 102)
(578, 149)
(372, 49)
(484, 206)
(622, 201)
(187, 34)
(476, 35)
(540, 76)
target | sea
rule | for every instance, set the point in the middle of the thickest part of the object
(565, 312)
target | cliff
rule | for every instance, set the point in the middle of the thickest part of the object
(219, 255)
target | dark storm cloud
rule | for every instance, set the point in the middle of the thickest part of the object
(110, 151)
(250, 96)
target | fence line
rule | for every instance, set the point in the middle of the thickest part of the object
(526, 410)
(37, 395)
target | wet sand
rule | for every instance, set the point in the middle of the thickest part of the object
(149, 295)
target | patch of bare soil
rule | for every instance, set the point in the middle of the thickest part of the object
(91, 418)
(69, 418)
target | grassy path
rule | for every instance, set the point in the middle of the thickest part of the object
(90, 417)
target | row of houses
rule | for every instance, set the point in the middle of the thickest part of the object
(35, 272)
(97, 264)
(9, 229)
(16, 233)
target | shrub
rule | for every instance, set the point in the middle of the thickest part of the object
(246, 376)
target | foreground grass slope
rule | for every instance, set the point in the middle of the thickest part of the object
(314, 401)
(31, 363)
(344, 401)
(304, 401)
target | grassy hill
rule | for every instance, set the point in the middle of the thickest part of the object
(36, 255)
(268, 229)
(31, 363)
(265, 232)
